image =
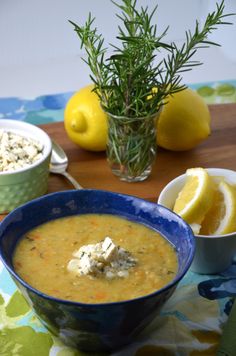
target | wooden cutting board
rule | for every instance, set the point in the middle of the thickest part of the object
(92, 171)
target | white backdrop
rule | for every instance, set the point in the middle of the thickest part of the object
(40, 53)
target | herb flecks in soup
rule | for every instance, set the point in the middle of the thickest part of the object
(103, 259)
(42, 255)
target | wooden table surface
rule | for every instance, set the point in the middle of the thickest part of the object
(92, 171)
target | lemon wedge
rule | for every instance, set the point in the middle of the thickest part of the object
(196, 197)
(221, 217)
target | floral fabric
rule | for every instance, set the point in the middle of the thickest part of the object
(189, 324)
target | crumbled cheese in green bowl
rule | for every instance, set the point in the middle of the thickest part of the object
(25, 152)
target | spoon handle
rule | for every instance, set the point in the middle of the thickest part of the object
(72, 180)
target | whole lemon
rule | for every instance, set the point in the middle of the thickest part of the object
(84, 120)
(184, 121)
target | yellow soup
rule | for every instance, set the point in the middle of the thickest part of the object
(42, 256)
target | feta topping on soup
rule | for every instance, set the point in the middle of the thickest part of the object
(17, 152)
(102, 259)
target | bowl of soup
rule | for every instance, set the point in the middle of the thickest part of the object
(25, 152)
(95, 266)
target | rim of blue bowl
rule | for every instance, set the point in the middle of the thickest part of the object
(171, 284)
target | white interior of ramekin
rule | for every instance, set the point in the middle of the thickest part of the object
(29, 131)
(170, 192)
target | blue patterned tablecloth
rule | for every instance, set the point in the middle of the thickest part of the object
(190, 322)
(50, 108)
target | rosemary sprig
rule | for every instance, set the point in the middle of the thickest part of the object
(180, 58)
(125, 80)
(93, 44)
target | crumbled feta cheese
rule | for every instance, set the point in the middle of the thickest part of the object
(17, 151)
(102, 259)
(110, 249)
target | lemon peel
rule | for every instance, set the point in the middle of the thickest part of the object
(221, 218)
(79, 123)
(184, 121)
(84, 120)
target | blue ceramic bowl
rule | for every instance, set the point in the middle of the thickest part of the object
(96, 327)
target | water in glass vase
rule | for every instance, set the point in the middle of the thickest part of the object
(131, 147)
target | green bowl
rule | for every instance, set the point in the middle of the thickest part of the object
(18, 187)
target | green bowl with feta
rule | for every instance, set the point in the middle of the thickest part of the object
(25, 152)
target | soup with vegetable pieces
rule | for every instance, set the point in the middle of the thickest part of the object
(95, 258)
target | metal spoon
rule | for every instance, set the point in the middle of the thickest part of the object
(59, 164)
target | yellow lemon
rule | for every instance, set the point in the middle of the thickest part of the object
(184, 121)
(195, 199)
(84, 120)
(221, 218)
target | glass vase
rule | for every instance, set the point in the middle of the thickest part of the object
(131, 147)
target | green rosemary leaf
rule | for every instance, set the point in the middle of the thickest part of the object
(211, 43)
(125, 79)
